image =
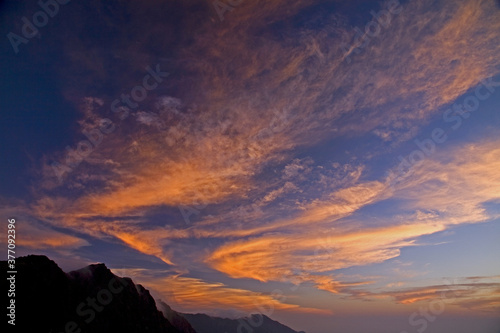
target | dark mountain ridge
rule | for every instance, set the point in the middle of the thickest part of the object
(255, 323)
(93, 299)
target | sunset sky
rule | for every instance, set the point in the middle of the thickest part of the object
(332, 164)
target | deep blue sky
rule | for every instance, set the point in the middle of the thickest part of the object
(268, 158)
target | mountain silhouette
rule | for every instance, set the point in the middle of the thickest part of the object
(181, 323)
(255, 323)
(93, 299)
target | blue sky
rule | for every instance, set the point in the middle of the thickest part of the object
(332, 164)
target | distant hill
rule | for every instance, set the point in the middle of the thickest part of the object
(256, 323)
(181, 323)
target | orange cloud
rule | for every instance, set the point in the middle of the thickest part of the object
(299, 252)
(35, 235)
(209, 153)
(298, 257)
(244, 111)
(148, 242)
(199, 295)
(290, 250)
(456, 184)
(474, 295)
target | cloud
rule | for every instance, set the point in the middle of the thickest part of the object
(231, 115)
(476, 295)
(300, 257)
(34, 235)
(37, 237)
(194, 294)
(148, 242)
(316, 239)
(443, 192)
(415, 66)
(233, 128)
(147, 118)
(220, 145)
(457, 184)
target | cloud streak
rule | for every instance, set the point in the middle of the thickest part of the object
(235, 125)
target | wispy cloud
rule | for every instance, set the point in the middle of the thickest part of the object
(194, 294)
(33, 234)
(236, 122)
(482, 293)
(291, 250)
(284, 254)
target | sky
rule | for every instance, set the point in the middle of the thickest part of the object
(331, 164)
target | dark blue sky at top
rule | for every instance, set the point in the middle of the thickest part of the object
(35, 119)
